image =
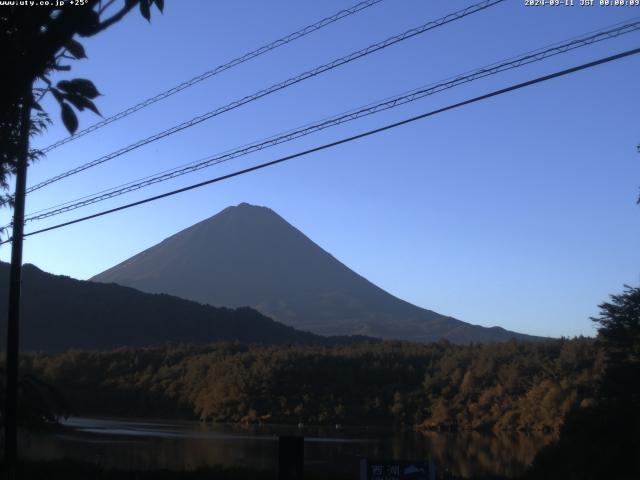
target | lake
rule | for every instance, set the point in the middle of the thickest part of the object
(186, 445)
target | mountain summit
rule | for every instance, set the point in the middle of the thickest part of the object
(250, 256)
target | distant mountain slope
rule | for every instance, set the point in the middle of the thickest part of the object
(59, 313)
(249, 255)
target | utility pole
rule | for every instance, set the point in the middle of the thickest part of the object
(15, 280)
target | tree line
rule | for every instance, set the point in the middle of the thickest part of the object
(514, 386)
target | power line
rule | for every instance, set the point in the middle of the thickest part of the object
(593, 36)
(389, 103)
(219, 69)
(494, 93)
(276, 87)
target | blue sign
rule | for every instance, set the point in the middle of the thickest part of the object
(396, 470)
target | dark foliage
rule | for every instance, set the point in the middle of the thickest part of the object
(603, 441)
(35, 43)
(39, 404)
(511, 387)
(619, 334)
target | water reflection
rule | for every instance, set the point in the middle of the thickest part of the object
(143, 445)
(471, 453)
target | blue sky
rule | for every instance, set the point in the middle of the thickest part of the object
(518, 211)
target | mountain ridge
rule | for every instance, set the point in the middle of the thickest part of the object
(60, 313)
(248, 255)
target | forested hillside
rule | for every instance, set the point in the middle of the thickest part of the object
(510, 386)
(59, 313)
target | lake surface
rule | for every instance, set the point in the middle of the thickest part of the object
(183, 445)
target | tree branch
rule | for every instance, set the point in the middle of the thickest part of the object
(115, 18)
(102, 9)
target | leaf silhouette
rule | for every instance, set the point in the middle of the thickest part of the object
(80, 86)
(144, 9)
(69, 118)
(76, 49)
(81, 103)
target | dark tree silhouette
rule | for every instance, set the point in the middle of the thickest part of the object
(603, 440)
(37, 41)
(40, 405)
(620, 334)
